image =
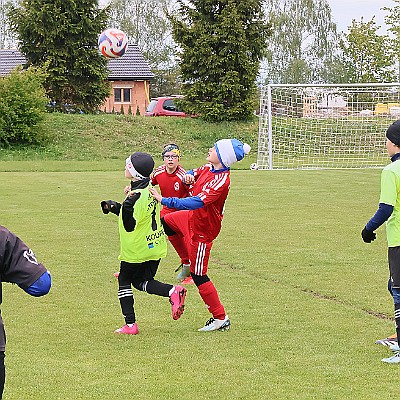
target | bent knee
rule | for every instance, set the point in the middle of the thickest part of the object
(199, 279)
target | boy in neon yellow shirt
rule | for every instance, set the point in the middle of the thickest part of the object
(389, 212)
(142, 243)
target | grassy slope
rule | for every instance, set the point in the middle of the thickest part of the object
(112, 138)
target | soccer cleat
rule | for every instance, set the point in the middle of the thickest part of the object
(188, 281)
(214, 324)
(185, 272)
(394, 347)
(388, 341)
(128, 330)
(177, 300)
(394, 359)
(116, 274)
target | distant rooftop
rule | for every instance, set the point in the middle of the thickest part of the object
(9, 59)
(131, 66)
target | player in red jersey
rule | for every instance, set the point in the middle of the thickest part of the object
(169, 178)
(199, 221)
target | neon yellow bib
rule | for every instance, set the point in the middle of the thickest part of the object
(147, 241)
(390, 194)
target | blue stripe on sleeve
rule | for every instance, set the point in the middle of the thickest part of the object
(186, 203)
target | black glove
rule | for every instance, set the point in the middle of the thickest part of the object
(110, 206)
(368, 236)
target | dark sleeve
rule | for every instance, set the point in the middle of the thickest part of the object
(127, 212)
(19, 264)
(382, 215)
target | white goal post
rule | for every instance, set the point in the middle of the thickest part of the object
(325, 126)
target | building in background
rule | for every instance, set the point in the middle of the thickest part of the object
(129, 76)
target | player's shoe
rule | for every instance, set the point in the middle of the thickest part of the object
(394, 347)
(116, 274)
(394, 359)
(185, 272)
(177, 300)
(388, 341)
(188, 281)
(214, 324)
(128, 330)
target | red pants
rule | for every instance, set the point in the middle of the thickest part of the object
(199, 254)
(177, 242)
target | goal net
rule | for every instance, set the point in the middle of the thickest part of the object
(326, 126)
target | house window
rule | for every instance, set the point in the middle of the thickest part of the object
(122, 95)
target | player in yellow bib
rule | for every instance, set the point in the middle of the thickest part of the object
(142, 243)
(389, 212)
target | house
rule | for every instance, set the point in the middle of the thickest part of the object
(129, 76)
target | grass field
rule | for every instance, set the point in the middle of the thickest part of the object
(306, 297)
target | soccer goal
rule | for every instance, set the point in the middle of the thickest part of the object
(326, 126)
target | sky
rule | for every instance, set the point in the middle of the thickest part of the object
(344, 11)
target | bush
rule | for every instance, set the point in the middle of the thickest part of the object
(22, 106)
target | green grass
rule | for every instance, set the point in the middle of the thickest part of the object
(113, 137)
(301, 288)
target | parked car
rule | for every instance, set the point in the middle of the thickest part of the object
(164, 107)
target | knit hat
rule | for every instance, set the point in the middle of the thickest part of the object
(231, 150)
(171, 147)
(393, 132)
(140, 165)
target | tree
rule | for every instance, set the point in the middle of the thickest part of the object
(6, 37)
(367, 56)
(146, 24)
(62, 37)
(304, 41)
(393, 21)
(222, 44)
(22, 106)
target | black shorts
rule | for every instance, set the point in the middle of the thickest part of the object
(394, 266)
(137, 272)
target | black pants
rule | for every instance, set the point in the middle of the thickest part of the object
(2, 373)
(141, 277)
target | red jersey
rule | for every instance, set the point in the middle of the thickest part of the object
(170, 185)
(212, 188)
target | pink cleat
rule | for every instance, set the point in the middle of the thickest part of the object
(177, 300)
(128, 330)
(116, 274)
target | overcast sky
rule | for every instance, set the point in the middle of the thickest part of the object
(344, 11)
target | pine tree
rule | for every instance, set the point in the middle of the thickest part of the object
(62, 37)
(222, 44)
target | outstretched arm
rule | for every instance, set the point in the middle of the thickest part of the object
(186, 203)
